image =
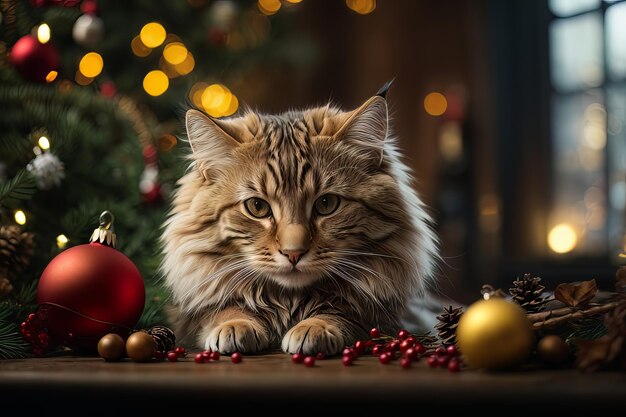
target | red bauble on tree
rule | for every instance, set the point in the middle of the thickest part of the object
(34, 60)
(90, 290)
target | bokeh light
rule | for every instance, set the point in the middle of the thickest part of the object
(218, 101)
(43, 33)
(81, 79)
(155, 83)
(43, 143)
(195, 93)
(152, 34)
(52, 75)
(91, 65)
(269, 7)
(435, 104)
(187, 65)
(175, 53)
(138, 47)
(20, 217)
(562, 238)
(361, 6)
(62, 241)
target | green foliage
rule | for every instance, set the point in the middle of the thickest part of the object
(18, 189)
(11, 344)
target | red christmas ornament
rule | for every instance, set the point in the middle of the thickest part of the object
(34, 60)
(91, 290)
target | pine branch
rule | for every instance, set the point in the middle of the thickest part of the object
(12, 346)
(18, 189)
(559, 316)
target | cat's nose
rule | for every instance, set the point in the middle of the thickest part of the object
(294, 255)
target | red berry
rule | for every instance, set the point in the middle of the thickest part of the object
(206, 355)
(180, 351)
(443, 360)
(432, 361)
(297, 358)
(405, 363)
(403, 334)
(309, 361)
(411, 353)
(198, 358)
(377, 350)
(411, 340)
(452, 350)
(375, 333)
(359, 347)
(385, 358)
(215, 356)
(347, 360)
(421, 349)
(440, 351)
(23, 325)
(394, 345)
(31, 316)
(405, 344)
(320, 355)
(348, 352)
(235, 357)
(172, 356)
(454, 365)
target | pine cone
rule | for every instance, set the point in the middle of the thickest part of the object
(164, 338)
(16, 249)
(448, 322)
(608, 350)
(5, 287)
(527, 292)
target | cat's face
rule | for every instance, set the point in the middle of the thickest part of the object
(297, 197)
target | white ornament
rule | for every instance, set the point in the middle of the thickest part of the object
(47, 169)
(88, 30)
(223, 14)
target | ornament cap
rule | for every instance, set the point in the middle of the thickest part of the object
(104, 233)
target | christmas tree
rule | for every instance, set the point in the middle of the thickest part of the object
(91, 94)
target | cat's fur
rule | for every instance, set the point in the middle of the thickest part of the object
(233, 285)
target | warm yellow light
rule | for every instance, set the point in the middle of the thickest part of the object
(43, 143)
(216, 100)
(562, 238)
(195, 93)
(43, 33)
(62, 241)
(175, 53)
(152, 34)
(91, 65)
(233, 106)
(156, 83)
(294, 1)
(186, 66)
(20, 217)
(138, 48)
(269, 7)
(52, 75)
(81, 79)
(361, 6)
(435, 104)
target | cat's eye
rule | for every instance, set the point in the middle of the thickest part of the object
(326, 204)
(257, 207)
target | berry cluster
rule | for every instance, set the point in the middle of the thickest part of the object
(172, 355)
(446, 357)
(386, 348)
(308, 361)
(208, 355)
(36, 335)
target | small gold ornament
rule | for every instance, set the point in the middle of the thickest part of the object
(494, 334)
(111, 347)
(552, 350)
(140, 346)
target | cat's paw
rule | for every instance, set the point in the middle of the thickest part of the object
(312, 336)
(238, 335)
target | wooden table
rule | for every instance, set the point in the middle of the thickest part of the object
(272, 382)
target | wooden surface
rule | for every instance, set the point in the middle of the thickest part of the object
(272, 380)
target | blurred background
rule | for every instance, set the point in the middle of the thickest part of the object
(510, 112)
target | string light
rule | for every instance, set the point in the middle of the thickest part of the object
(195, 93)
(20, 217)
(562, 238)
(62, 241)
(175, 53)
(138, 47)
(43, 33)
(52, 75)
(152, 34)
(269, 7)
(91, 65)
(218, 101)
(81, 79)
(294, 1)
(43, 143)
(156, 83)
(435, 104)
(361, 6)
(186, 66)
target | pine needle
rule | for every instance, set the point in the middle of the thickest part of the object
(18, 189)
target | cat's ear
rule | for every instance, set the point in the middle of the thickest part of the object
(210, 141)
(366, 127)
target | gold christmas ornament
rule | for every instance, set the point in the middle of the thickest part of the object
(494, 334)
(140, 346)
(111, 347)
(552, 350)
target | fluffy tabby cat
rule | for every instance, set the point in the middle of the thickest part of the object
(298, 230)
